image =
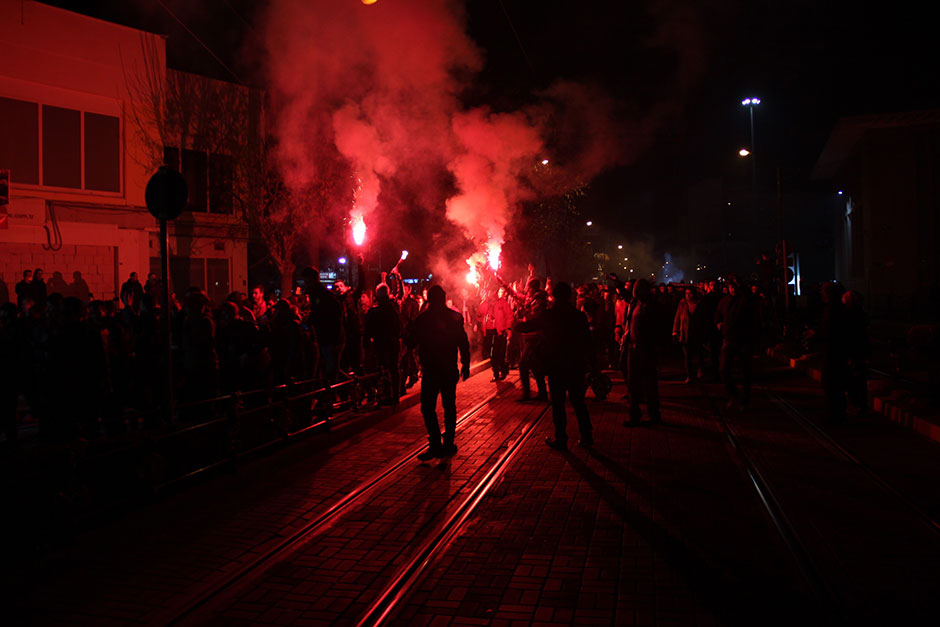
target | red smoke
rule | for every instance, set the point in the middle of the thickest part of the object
(378, 83)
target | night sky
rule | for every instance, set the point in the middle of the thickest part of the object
(810, 62)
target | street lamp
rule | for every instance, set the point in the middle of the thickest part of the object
(750, 103)
(744, 152)
(590, 223)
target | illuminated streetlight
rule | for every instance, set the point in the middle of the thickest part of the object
(750, 103)
(590, 223)
(544, 161)
(619, 246)
(744, 152)
(342, 261)
(840, 192)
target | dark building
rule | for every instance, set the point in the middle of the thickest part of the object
(886, 171)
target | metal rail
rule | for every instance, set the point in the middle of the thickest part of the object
(410, 573)
(295, 541)
(829, 442)
(821, 590)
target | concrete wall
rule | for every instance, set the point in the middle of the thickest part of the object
(55, 57)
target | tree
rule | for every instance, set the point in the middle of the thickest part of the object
(184, 111)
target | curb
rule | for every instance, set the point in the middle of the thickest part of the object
(893, 404)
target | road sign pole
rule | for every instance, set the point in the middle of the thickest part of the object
(165, 320)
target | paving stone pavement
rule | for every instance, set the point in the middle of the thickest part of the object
(656, 525)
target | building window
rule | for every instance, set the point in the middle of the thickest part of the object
(195, 169)
(19, 150)
(220, 183)
(80, 150)
(102, 152)
(61, 147)
(208, 178)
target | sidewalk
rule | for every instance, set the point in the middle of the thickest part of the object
(894, 402)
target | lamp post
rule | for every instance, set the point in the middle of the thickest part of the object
(750, 103)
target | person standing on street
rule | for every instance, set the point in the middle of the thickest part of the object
(439, 335)
(496, 316)
(736, 319)
(383, 330)
(640, 342)
(568, 350)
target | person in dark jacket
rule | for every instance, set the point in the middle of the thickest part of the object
(567, 351)
(24, 288)
(640, 342)
(688, 329)
(37, 289)
(736, 318)
(439, 335)
(383, 330)
(132, 292)
(536, 302)
(326, 319)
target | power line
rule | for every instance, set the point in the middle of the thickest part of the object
(512, 27)
(199, 41)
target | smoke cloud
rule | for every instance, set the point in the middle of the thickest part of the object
(378, 87)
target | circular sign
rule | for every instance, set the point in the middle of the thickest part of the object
(166, 194)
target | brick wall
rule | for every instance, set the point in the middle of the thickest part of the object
(96, 263)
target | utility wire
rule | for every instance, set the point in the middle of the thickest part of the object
(199, 41)
(512, 27)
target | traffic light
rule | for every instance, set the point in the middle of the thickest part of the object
(792, 272)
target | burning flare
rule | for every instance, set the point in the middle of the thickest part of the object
(473, 277)
(493, 251)
(358, 228)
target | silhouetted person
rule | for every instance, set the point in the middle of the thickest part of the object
(326, 318)
(736, 318)
(689, 328)
(409, 361)
(640, 339)
(567, 350)
(709, 303)
(37, 288)
(351, 358)
(383, 330)
(132, 292)
(439, 335)
(238, 344)
(12, 342)
(77, 375)
(154, 288)
(833, 332)
(79, 288)
(57, 284)
(287, 342)
(23, 289)
(536, 302)
(197, 344)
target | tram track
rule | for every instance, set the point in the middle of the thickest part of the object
(822, 591)
(818, 552)
(461, 504)
(820, 435)
(411, 572)
(191, 607)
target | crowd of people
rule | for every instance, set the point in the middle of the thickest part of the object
(83, 366)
